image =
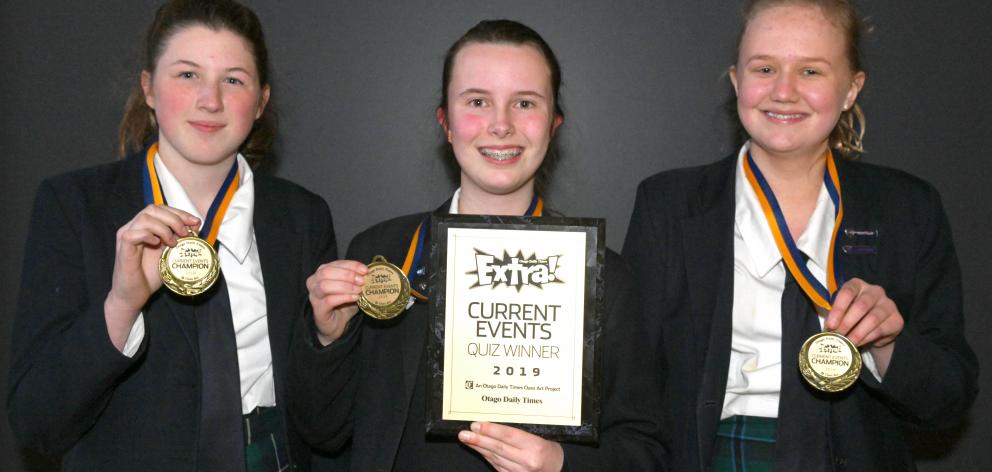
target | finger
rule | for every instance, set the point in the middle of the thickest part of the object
(857, 310)
(324, 288)
(472, 440)
(353, 266)
(326, 304)
(867, 329)
(180, 221)
(146, 230)
(842, 300)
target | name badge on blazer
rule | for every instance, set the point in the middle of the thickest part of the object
(859, 242)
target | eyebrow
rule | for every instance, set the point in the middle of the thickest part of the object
(526, 93)
(193, 64)
(765, 57)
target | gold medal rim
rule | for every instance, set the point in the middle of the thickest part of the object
(824, 383)
(193, 288)
(394, 308)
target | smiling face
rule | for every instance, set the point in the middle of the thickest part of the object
(500, 116)
(792, 80)
(206, 95)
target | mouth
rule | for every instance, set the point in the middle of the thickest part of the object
(787, 117)
(206, 126)
(501, 154)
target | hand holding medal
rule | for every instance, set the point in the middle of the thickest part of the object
(828, 361)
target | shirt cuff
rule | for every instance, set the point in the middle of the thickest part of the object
(135, 337)
(869, 362)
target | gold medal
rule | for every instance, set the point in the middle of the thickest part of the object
(191, 267)
(386, 291)
(830, 362)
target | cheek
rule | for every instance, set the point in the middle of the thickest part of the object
(750, 93)
(466, 126)
(170, 103)
(536, 127)
(242, 106)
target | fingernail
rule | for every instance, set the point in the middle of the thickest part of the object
(464, 436)
(359, 279)
(476, 426)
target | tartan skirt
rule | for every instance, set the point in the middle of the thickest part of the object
(745, 444)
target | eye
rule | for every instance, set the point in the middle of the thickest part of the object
(810, 71)
(186, 75)
(765, 70)
(233, 81)
(477, 102)
(526, 104)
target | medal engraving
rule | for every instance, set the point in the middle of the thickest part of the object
(386, 291)
(829, 362)
(191, 267)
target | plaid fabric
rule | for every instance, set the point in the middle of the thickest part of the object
(745, 444)
(265, 441)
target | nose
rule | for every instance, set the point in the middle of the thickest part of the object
(784, 88)
(502, 125)
(209, 97)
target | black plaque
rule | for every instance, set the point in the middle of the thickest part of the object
(517, 301)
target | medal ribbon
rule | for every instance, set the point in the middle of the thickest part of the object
(413, 254)
(820, 295)
(215, 215)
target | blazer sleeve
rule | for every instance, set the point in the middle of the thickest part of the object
(630, 421)
(323, 380)
(932, 377)
(64, 366)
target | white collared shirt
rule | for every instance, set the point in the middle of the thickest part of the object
(754, 378)
(239, 261)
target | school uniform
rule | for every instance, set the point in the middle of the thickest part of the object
(681, 247)
(73, 394)
(363, 396)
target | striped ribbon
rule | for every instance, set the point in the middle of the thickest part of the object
(820, 295)
(215, 215)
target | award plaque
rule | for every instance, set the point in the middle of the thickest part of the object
(514, 324)
(386, 291)
(191, 267)
(829, 362)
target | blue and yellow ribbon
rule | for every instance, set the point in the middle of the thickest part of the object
(215, 215)
(820, 295)
(415, 252)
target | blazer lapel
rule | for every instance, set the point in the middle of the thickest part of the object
(279, 252)
(709, 273)
(858, 239)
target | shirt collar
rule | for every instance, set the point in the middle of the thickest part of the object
(453, 209)
(750, 224)
(236, 231)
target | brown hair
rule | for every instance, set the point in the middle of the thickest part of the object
(138, 125)
(506, 32)
(848, 135)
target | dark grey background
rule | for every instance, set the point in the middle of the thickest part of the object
(357, 82)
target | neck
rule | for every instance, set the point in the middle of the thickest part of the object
(201, 182)
(792, 174)
(475, 201)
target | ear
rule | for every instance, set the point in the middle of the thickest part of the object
(146, 88)
(857, 83)
(442, 119)
(732, 72)
(264, 101)
(556, 123)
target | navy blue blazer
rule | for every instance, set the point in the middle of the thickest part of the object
(680, 247)
(71, 392)
(357, 391)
